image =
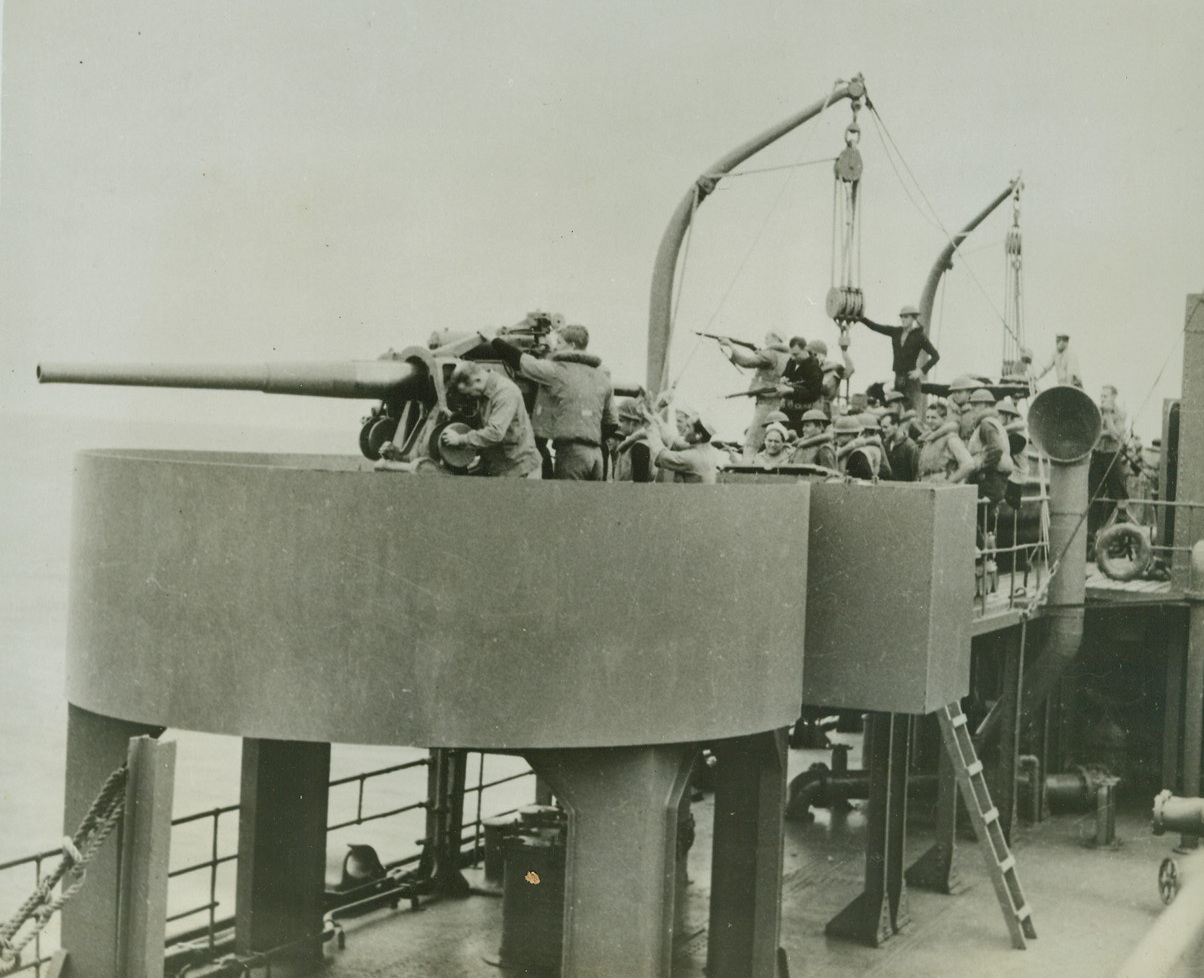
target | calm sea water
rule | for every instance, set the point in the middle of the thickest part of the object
(35, 503)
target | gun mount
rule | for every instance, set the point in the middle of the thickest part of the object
(411, 385)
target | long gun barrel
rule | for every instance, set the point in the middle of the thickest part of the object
(727, 339)
(344, 378)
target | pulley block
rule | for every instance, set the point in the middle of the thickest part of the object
(845, 303)
(1013, 242)
(848, 165)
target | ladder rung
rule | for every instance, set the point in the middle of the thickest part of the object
(959, 720)
(1007, 864)
(973, 768)
(1023, 912)
(990, 815)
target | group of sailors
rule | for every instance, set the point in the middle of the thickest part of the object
(577, 429)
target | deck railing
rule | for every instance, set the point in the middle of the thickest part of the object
(211, 935)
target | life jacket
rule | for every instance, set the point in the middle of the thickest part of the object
(976, 445)
(571, 406)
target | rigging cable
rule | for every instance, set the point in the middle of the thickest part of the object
(884, 135)
(739, 271)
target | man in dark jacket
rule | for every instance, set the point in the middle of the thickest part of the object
(574, 402)
(802, 382)
(907, 343)
(901, 450)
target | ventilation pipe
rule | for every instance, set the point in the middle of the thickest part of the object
(1064, 424)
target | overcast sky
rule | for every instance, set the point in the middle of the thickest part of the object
(283, 180)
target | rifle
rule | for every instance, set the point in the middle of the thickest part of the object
(759, 391)
(728, 339)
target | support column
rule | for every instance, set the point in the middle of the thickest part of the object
(440, 865)
(1175, 642)
(746, 860)
(96, 746)
(622, 854)
(146, 846)
(1002, 774)
(1193, 707)
(1187, 569)
(880, 910)
(936, 869)
(282, 851)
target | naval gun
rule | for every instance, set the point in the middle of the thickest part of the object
(416, 403)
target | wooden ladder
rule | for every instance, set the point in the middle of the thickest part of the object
(1001, 864)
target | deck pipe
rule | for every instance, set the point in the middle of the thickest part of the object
(1174, 814)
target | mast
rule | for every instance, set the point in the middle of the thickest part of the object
(660, 324)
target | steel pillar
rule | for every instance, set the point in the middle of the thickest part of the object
(1001, 776)
(936, 869)
(746, 861)
(1186, 571)
(440, 863)
(1174, 635)
(96, 746)
(282, 851)
(880, 910)
(145, 847)
(1193, 709)
(622, 854)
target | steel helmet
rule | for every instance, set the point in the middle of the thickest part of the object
(776, 417)
(893, 395)
(815, 414)
(818, 347)
(1008, 406)
(847, 424)
(963, 382)
(982, 396)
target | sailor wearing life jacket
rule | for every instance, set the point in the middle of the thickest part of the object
(574, 402)
(815, 447)
(990, 449)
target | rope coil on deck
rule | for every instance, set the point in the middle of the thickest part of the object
(78, 850)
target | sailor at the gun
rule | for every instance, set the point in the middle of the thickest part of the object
(504, 442)
(574, 401)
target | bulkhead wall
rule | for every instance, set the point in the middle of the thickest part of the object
(309, 598)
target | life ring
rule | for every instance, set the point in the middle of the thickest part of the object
(1123, 551)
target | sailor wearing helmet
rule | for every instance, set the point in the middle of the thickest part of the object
(907, 343)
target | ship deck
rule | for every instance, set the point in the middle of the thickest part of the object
(1091, 907)
(1102, 589)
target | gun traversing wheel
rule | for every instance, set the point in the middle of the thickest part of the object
(455, 458)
